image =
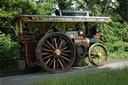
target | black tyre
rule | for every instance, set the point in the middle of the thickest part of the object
(98, 54)
(55, 52)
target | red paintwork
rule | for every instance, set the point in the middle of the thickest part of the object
(30, 53)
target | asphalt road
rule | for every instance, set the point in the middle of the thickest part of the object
(75, 71)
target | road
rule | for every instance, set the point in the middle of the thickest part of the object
(75, 71)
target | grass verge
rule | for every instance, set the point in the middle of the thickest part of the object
(119, 77)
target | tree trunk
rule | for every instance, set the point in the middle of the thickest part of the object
(106, 6)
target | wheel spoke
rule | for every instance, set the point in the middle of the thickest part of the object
(103, 53)
(61, 42)
(55, 43)
(51, 62)
(96, 50)
(47, 57)
(45, 53)
(62, 60)
(67, 51)
(64, 48)
(65, 58)
(47, 46)
(47, 50)
(94, 54)
(98, 60)
(54, 65)
(64, 44)
(100, 49)
(57, 63)
(48, 60)
(50, 44)
(65, 54)
(102, 58)
(60, 63)
(95, 60)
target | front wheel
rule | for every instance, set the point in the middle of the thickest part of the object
(98, 54)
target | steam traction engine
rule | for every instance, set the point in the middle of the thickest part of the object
(54, 42)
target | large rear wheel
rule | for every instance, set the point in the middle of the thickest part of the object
(56, 52)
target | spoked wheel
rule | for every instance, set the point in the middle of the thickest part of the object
(97, 54)
(56, 52)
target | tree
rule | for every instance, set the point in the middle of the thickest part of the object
(64, 4)
(122, 9)
(11, 8)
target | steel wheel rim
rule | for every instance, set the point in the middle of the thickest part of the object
(57, 52)
(98, 55)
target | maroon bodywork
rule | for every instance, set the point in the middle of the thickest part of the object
(30, 47)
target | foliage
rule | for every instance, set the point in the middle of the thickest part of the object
(64, 4)
(11, 8)
(122, 9)
(115, 33)
(8, 49)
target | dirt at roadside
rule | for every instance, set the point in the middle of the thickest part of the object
(117, 60)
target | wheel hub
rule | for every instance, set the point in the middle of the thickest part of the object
(99, 54)
(57, 52)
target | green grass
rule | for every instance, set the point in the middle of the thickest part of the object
(119, 77)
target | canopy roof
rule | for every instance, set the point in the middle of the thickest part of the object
(48, 18)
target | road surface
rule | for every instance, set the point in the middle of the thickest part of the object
(40, 76)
